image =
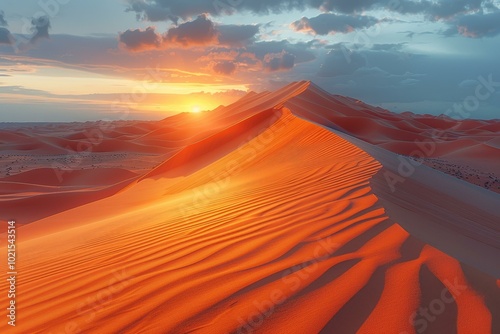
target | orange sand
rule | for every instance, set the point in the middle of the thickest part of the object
(249, 218)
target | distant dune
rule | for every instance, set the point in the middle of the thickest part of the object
(294, 211)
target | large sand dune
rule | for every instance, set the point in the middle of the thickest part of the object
(271, 215)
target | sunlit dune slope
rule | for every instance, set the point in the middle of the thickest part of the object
(271, 227)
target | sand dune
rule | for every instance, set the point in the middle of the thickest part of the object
(458, 143)
(204, 152)
(273, 219)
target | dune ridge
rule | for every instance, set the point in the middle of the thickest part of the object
(457, 147)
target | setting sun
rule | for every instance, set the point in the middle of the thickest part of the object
(196, 109)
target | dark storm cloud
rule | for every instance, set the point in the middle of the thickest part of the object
(325, 24)
(151, 11)
(5, 36)
(226, 67)
(139, 40)
(435, 10)
(161, 10)
(476, 25)
(422, 83)
(271, 56)
(302, 51)
(40, 28)
(201, 31)
(279, 61)
(344, 6)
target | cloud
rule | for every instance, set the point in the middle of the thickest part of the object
(345, 6)
(448, 8)
(388, 47)
(341, 61)
(476, 25)
(302, 51)
(409, 82)
(224, 67)
(200, 31)
(438, 10)
(3, 22)
(268, 55)
(178, 64)
(226, 61)
(161, 10)
(21, 90)
(140, 40)
(237, 35)
(151, 11)
(279, 61)
(385, 74)
(40, 28)
(325, 24)
(220, 55)
(6, 37)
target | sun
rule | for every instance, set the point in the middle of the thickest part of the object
(196, 109)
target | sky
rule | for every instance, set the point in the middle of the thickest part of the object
(75, 60)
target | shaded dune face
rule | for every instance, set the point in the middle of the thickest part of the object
(268, 224)
(464, 148)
